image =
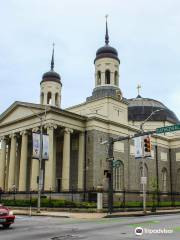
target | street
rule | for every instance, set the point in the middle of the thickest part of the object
(32, 228)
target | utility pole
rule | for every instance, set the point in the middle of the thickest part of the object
(110, 175)
(110, 159)
(144, 177)
(40, 180)
(40, 167)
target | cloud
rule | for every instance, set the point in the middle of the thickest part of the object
(146, 36)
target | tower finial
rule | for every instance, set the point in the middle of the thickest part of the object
(138, 89)
(107, 35)
(52, 60)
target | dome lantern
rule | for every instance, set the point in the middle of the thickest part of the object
(51, 86)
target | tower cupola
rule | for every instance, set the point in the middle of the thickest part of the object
(51, 86)
(106, 70)
(107, 51)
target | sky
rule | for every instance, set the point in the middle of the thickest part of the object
(146, 35)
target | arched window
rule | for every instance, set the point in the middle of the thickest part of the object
(42, 98)
(107, 77)
(57, 99)
(164, 179)
(116, 78)
(49, 98)
(118, 177)
(178, 181)
(98, 78)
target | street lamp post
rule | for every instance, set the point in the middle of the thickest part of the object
(143, 159)
(40, 180)
(110, 178)
(40, 167)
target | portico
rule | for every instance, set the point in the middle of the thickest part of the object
(20, 171)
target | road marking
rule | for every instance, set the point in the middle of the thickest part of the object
(144, 223)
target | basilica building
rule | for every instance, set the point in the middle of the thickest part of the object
(78, 135)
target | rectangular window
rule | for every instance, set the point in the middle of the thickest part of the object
(132, 150)
(119, 146)
(178, 156)
(163, 156)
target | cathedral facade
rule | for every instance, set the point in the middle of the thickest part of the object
(77, 155)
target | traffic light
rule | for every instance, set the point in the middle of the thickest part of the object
(147, 146)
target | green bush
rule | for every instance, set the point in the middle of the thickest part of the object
(45, 202)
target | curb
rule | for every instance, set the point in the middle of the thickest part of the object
(139, 214)
(106, 216)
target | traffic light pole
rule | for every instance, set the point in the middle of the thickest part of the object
(110, 177)
(40, 168)
(143, 175)
(110, 158)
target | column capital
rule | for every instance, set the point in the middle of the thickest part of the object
(13, 135)
(35, 129)
(25, 132)
(3, 138)
(50, 126)
(68, 130)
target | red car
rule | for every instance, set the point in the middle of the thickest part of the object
(6, 216)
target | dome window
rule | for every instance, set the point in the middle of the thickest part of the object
(107, 77)
(57, 99)
(49, 98)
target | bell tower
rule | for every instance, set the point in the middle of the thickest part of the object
(106, 71)
(107, 64)
(51, 87)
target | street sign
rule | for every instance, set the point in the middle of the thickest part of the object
(116, 163)
(171, 128)
(143, 180)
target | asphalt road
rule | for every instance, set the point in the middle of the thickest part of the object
(52, 228)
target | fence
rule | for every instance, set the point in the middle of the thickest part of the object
(88, 199)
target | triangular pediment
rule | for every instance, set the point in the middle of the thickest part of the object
(18, 111)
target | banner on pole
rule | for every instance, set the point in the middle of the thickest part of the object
(36, 145)
(138, 147)
(45, 154)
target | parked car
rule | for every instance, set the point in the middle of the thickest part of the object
(6, 216)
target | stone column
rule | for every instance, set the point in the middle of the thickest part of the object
(3, 163)
(7, 164)
(45, 98)
(53, 101)
(18, 154)
(23, 162)
(102, 78)
(34, 174)
(112, 78)
(81, 161)
(66, 159)
(50, 164)
(12, 162)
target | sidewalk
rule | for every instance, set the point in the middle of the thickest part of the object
(77, 215)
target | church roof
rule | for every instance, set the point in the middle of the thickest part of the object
(140, 108)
